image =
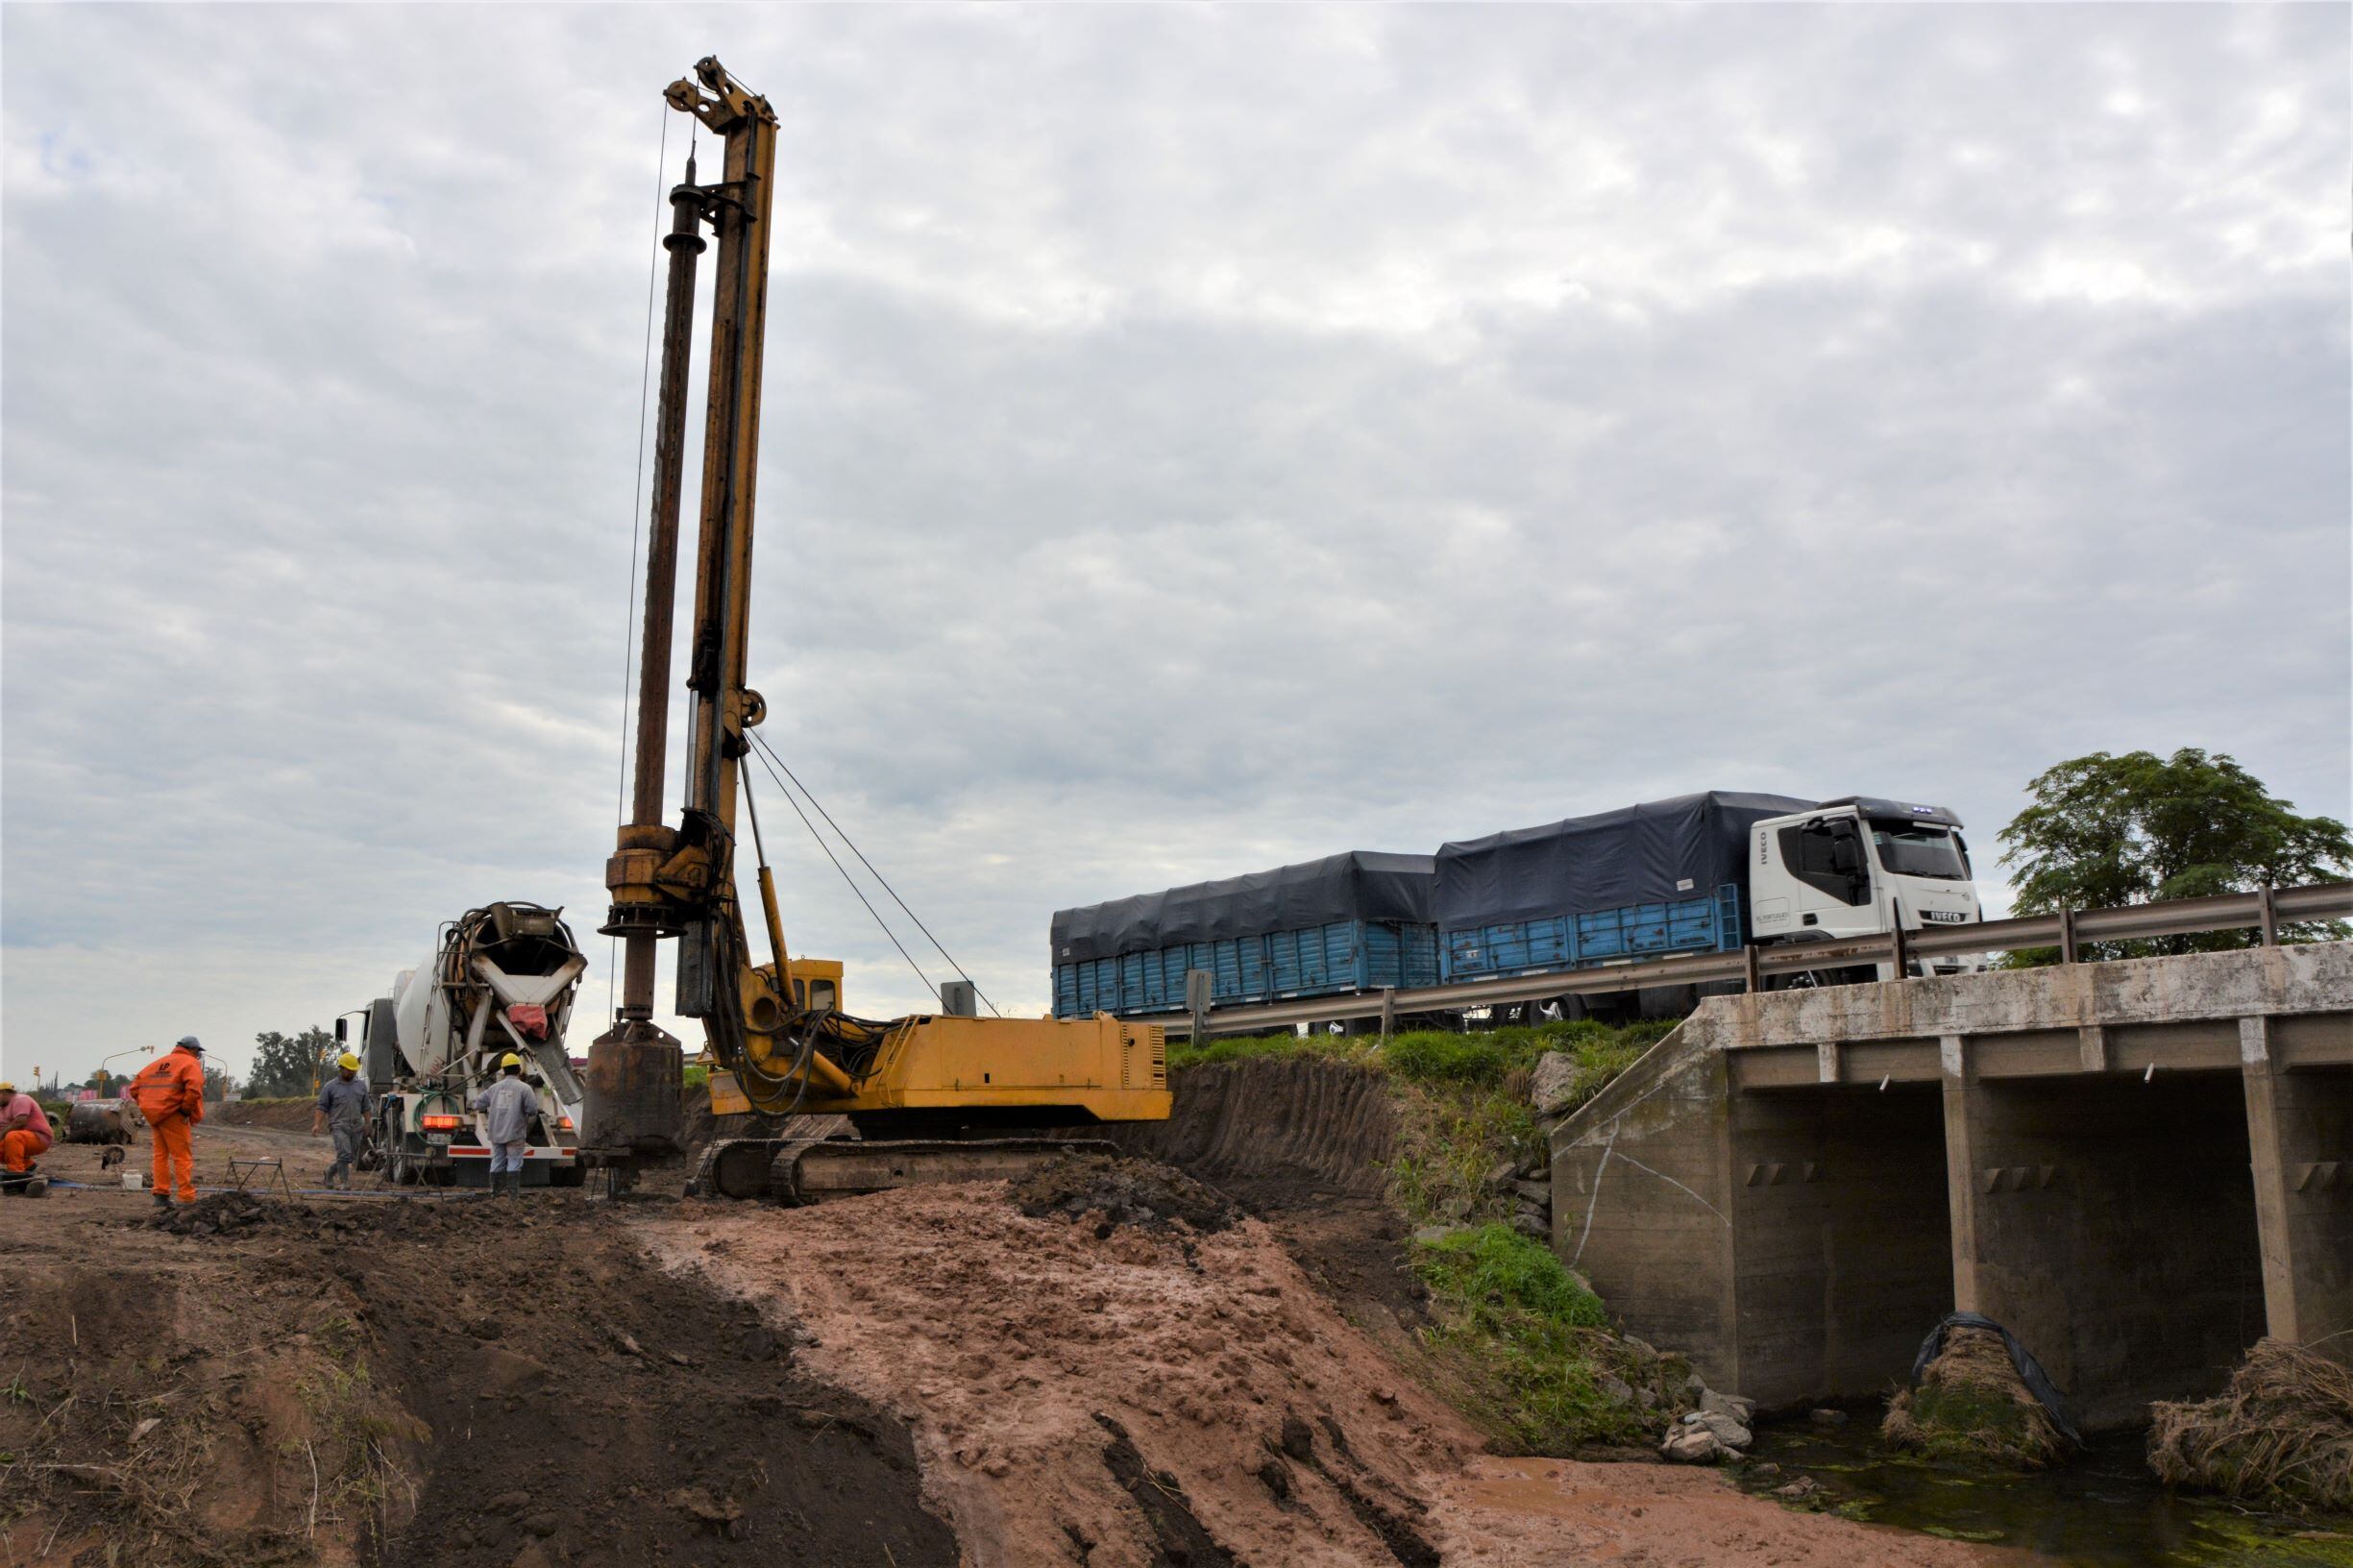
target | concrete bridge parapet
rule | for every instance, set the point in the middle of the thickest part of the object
(2141, 1166)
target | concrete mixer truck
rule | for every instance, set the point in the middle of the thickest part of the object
(501, 979)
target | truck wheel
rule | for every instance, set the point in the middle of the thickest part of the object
(402, 1169)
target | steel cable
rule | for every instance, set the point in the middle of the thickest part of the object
(877, 876)
(846, 878)
(637, 488)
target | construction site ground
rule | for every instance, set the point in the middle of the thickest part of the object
(1122, 1375)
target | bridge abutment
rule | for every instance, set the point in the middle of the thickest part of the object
(2139, 1167)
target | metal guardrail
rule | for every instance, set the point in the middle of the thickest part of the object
(2266, 909)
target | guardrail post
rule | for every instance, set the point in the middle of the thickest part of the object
(1388, 1012)
(1902, 951)
(1755, 974)
(2269, 912)
(2066, 936)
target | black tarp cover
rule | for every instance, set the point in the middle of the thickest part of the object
(1656, 853)
(1359, 885)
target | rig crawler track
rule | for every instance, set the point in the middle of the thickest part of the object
(803, 1170)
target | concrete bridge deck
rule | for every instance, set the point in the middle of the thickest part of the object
(2141, 1166)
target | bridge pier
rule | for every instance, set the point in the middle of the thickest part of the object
(2300, 1136)
(2140, 1168)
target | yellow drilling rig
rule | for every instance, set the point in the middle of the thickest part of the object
(932, 1097)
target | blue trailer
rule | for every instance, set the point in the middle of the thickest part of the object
(1348, 922)
(1643, 882)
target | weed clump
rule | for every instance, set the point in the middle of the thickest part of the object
(2280, 1432)
(1971, 1403)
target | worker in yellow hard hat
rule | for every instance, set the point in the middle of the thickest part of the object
(342, 1109)
(507, 1106)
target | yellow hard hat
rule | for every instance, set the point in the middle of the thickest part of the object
(510, 1060)
(7, 1088)
(347, 1059)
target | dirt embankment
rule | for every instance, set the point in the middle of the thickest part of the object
(1298, 1119)
(1086, 1391)
(1096, 1381)
(1304, 1145)
(283, 1116)
(412, 1383)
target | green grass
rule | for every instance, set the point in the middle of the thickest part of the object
(1494, 1270)
(1184, 1053)
(1434, 1056)
(1530, 1339)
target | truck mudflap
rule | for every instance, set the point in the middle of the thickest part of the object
(804, 1170)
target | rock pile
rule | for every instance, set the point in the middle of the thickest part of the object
(1528, 1186)
(1721, 1427)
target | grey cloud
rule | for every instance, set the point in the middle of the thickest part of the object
(1196, 439)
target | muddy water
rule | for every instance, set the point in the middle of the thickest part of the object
(2105, 1510)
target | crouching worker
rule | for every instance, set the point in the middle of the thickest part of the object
(170, 1093)
(507, 1108)
(343, 1110)
(24, 1136)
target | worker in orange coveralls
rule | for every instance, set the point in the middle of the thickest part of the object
(24, 1134)
(170, 1093)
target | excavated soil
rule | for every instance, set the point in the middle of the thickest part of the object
(1299, 1119)
(1113, 1191)
(1111, 1394)
(478, 1384)
(1140, 1396)
(924, 1377)
(1303, 1145)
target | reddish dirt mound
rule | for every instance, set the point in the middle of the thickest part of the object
(1303, 1144)
(1107, 1395)
(1126, 1397)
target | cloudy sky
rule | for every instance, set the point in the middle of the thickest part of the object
(1196, 439)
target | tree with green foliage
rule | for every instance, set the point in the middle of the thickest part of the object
(2107, 830)
(219, 1082)
(286, 1066)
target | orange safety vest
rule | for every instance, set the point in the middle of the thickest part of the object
(172, 1085)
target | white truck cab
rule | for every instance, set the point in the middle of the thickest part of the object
(1857, 868)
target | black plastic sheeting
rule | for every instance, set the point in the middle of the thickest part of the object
(2029, 1370)
(1656, 852)
(1359, 885)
